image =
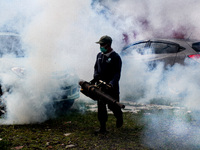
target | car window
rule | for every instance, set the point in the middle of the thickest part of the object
(138, 47)
(10, 44)
(163, 48)
(196, 46)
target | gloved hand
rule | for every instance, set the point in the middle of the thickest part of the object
(107, 87)
(93, 81)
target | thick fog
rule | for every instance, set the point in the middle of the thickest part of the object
(61, 35)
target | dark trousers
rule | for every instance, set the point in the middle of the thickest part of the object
(102, 110)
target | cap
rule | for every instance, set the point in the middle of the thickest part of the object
(104, 40)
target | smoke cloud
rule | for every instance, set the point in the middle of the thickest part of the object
(56, 36)
(61, 35)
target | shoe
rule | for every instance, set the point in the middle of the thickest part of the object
(101, 132)
(119, 122)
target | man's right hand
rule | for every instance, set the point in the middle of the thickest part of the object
(93, 81)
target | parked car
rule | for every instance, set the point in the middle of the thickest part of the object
(10, 44)
(168, 51)
(154, 53)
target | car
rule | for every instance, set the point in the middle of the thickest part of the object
(168, 51)
(160, 64)
(11, 46)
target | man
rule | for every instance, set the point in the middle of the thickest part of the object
(108, 69)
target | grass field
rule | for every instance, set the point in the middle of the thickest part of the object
(75, 130)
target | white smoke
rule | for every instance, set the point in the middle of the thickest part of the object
(61, 35)
(142, 20)
(167, 130)
(156, 18)
(57, 36)
(145, 19)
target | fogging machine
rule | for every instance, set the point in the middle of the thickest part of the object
(95, 92)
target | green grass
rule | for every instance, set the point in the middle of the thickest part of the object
(51, 134)
(75, 130)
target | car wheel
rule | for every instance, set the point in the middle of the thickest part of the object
(63, 106)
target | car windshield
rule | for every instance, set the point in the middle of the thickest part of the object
(10, 44)
(196, 46)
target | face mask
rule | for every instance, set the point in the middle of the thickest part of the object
(103, 49)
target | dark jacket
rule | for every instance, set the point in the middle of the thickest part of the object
(108, 69)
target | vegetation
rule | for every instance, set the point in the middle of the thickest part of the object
(75, 131)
